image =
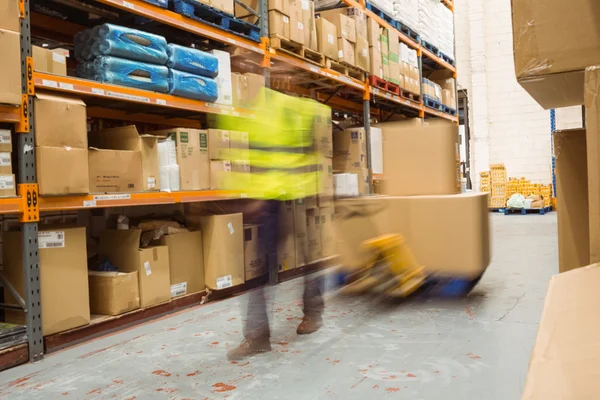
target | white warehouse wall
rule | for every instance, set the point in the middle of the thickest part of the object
(507, 125)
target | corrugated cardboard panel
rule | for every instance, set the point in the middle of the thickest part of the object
(113, 293)
(60, 121)
(62, 170)
(186, 262)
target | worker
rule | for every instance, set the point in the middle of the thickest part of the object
(283, 166)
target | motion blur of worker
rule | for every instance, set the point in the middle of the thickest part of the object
(283, 163)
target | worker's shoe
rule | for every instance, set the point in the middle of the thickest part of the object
(248, 348)
(309, 325)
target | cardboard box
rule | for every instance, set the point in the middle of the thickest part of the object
(223, 241)
(373, 33)
(547, 64)
(313, 234)
(223, 5)
(237, 86)
(327, 38)
(384, 42)
(115, 171)
(10, 65)
(224, 77)
(361, 57)
(5, 140)
(327, 215)
(349, 149)
(239, 145)
(63, 276)
(10, 16)
(420, 160)
(564, 356)
(8, 186)
(297, 31)
(48, 61)
(346, 51)
(385, 61)
(113, 293)
(394, 66)
(279, 24)
(286, 246)
(240, 171)
(128, 138)
(300, 231)
(433, 226)
(255, 259)
(254, 85)
(218, 144)
(283, 6)
(574, 221)
(375, 62)
(310, 29)
(345, 185)
(360, 19)
(67, 115)
(62, 170)
(323, 133)
(220, 174)
(344, 25)
(362, 176)
(592, 120)
(5, 163)
(122, 247)
(186, 262)
(192, 146)
(325, 196)
(295, 9)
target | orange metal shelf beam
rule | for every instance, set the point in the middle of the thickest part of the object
(84, 87)
(397, 99)
(10, 114)
(449, 4)
(181, 22)
(10, 205)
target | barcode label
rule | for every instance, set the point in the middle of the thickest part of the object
(151, 182)
(161, 102)
(4, 159)
(89, 203)
(59, 58)
(98, 91)
(128, 5)
(7, 182)
(224, 282)
(48, 83)
(51, 239)
(178, 289)
(4, 136)
(112, 197)
(66, 86)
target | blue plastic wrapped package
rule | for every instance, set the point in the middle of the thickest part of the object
(120, 71)
(192, 86)
(118, 41)
(191, 60)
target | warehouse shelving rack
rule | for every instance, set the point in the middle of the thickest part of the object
(320, 83)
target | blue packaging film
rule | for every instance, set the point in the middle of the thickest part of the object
(120, 71)
(192, 60)
(192, 86)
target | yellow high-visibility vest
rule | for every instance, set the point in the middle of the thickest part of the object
(283, 162)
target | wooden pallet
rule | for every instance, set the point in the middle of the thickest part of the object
(525, 211)
(410, 95)
(382, 84)
(346, 69)
(296, 49)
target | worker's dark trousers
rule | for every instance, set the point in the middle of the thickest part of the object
(257, 321)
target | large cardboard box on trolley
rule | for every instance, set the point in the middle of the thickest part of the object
(63, 276)
(553, 42)
(420, 159)
(448, 234)
(113, 293)
(592, 118)
(574, 219)
(223, 244)
(122, 248)
(186, 262)
(565, 355)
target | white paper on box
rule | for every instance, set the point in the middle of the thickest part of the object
(178, 289)
(300, 26)
(224, 282)
(340, 54)
(224, 77)
(59, 58)
(4, 136)
(147, 268)
(230, 228)
(286, 19)
(305, 4)
(376, 150)
(7, 182)
(151, 182)
(330, 38)
(4, 159)
(51, 239)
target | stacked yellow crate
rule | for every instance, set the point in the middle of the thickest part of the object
(546, 192)
(484, 181)
(499, 186)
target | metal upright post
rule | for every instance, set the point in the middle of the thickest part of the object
(27, 190)
(552, 129)
(367, 123)
(263, 11)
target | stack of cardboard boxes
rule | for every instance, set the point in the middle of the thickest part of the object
(498, 185)
(292, 20)
(448, 232)
(350, 156)
(50, 61)
(7, 178)
(10, 79)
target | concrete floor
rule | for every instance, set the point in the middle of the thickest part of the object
(476, 348)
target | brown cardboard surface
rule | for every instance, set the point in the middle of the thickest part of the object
(433, 226)
(220, 172)
(253, 85)
(151, 263)
(63, 276)
(310, 30)
(420, 160)
(45, 60)
(286, 246)
(323, 134)
(186, 262)
(60, 121)
(375, 65)
(565, 354)
(300, 229)
(10, 66)
(5, 140)
(9, 15)
(128, 138)
(255, 259)
(223, 5)
(346, 51)
(325, 196)
(280, 5)
(223, 243)
(327, 38)
(218, 144)
(345, 26)
(373, 33)
(5, 163)
(361, 55)
(592, 120)
(349, 149)
(549, 62)
(115, 171)
(237, 87)
(313, 234)
(574, 222)
(192, 146)
(279, 24)
(239, 145)
(8, 186)
(363, 178)
(297, 30)
(62, 170)
(113, 293)
(327, 215)
(295, 9)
